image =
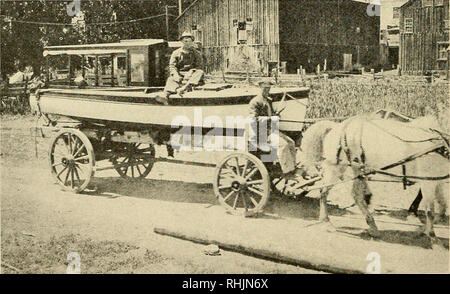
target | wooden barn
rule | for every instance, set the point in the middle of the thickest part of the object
(261, 34)
(424, 36)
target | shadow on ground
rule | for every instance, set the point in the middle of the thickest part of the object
(303, 208)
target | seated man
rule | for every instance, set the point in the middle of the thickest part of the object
(260, 107)
(186, 65)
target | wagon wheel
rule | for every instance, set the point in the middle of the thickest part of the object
(135, 160)
(242, 184)
(72, 160)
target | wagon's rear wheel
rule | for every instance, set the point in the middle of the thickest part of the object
(135, 160)
(242, 184)
(72, 160)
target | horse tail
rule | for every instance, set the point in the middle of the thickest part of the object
(312, 141)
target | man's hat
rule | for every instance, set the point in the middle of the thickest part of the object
(265, 84)
(187, 34)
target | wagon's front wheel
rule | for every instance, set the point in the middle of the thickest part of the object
(72, 160)
(242, 184)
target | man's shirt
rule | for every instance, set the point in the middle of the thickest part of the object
(184, 60)
(259, 106)
(260, 110)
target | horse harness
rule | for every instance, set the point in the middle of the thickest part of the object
(359, 158)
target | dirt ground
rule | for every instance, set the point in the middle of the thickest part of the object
(112, 226)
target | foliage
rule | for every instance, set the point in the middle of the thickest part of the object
(25, 42)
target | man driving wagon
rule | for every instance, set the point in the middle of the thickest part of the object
(260, 109)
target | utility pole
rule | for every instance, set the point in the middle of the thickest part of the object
(180, 7)
(167, 20)
(167, 23)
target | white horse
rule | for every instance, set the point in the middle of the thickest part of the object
(362, 143)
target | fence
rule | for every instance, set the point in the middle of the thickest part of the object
(14, 98)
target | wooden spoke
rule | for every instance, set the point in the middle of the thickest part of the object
(235, 200)
(230, 171)
(237, 166)
(255, 203)
(70, 143)
(76, 173)
(229, 195)
(67, 177)
(82, 171)
(57, 164)
(61, 172)
(255, 182)
(244, 171)
(139, 171)
(255, 191)
(82, 158)
(245, 201)
(72, 177)
(251, 174)
(148, 149)
(224, 187)
(78, 151)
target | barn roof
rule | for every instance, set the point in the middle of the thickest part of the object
(195, 2)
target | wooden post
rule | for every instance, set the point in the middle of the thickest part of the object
(128, 68)
(112, 70)
(318, 70)
(83, 71)
(167, 22)
(96, 71)
(70, 70)
(47, 62)
(372, 71)
(325, 65)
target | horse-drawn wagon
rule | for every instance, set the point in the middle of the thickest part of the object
(123, 123)
(124, 127)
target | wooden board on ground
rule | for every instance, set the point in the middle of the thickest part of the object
(304, 243)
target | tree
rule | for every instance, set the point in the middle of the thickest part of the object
(25, 42)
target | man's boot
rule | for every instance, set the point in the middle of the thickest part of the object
(183, 89)
(163, 99)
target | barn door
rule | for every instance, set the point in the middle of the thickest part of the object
(348, 66)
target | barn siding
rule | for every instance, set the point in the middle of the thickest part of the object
(419, 50)
(285, 30)
(214, 19)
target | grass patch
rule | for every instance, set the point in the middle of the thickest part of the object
(32, 256)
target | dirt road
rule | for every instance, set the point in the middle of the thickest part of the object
(35, 210)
